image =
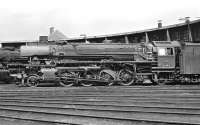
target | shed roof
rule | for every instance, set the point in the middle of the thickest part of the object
(137, 32)
(166, 43)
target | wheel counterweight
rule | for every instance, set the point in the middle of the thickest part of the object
(126, 76)
(106, 76)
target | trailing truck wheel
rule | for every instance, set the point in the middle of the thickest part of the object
(106, 77)
(126, 76)
(65, 82)
(32, 81)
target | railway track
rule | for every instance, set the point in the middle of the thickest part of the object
(140, 105)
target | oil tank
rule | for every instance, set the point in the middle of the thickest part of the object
(34, 50)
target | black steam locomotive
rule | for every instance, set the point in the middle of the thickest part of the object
(107, 63)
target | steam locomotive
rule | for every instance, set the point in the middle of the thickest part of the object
(107, 63)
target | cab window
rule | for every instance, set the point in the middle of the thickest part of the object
(169, 51)
(161, 51)
(165, 51)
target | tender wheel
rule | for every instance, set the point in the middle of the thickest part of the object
(68, 79)
(107, 77)
(126, 76)
(32, 81)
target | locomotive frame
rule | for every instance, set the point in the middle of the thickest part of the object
(108, 64)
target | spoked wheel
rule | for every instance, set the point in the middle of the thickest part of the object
(107, 77)
(68, 79)
(126, 76)
(86, 83)
(89, 76)
(33, 81)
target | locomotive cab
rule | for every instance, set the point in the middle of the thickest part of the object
(167, 57)
(166, 53)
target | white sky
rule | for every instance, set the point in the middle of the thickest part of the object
(27, 19)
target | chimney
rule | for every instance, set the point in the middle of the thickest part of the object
(51, 30)
(187, 20)
(159, 23)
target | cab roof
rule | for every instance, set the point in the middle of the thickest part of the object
(166, 44)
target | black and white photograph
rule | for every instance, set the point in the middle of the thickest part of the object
(99, 62)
